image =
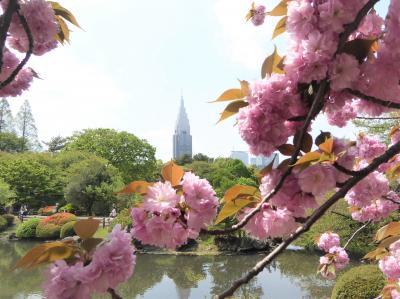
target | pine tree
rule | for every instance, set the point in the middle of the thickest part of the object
(6, 118)
(26, 129)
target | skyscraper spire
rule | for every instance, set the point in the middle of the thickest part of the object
(182, 140)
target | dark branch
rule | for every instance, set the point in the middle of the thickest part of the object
(113, 294)
(387, 104)
(344, 169)
(298, 118)
(4, 25)
(27, 55)
(351, 27)
(391, 152)
(340, 214)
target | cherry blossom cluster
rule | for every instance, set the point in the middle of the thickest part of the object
(111, 264)
(41, 21)
(168, 218)
(336, 256)
(390, 266)
(314, 28)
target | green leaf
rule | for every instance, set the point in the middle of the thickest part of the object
(237, 191)
(231, 208)
(63, 12)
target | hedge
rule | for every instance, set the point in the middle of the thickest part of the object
(47, 230)
(364, 282)
(27, 229)
(67, 230)
(59, 219)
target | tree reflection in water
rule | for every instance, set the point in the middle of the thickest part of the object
(184, 277)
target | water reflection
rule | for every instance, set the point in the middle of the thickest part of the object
(293, 275)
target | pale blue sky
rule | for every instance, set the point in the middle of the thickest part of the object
(127, 68)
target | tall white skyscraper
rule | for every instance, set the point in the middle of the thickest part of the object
(182, 140)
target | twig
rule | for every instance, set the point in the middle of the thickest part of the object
(340, 214)
(389, 199)
(378, 118)
(113, 294)
(351, 27)
(356, 232)
(5, 24)
(344, 169)
(387, 104)
(391, 152)
(27, 54)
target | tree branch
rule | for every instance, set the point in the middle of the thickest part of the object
(359, 94)
(4, 25)
(27, 55)
(351, 27)
(391, 152)
(378, 118)
(314, 110)
(113, 294)
(356, 232)
(340, 214)
(344, 169)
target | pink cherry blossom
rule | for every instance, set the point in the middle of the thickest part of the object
(159, 197)
(344, 72)
(269, 223)
(41, 21)
(317, 179)
(258, 15)
(328, 240)
(201, 200)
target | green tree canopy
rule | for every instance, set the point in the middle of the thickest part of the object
(134, 157)
(92, 185)
(7, 196)
(33, 178)
(10, 142)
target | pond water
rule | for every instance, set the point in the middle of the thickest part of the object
(293, 275)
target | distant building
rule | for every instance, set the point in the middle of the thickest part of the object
(182, 140)
(240, 155)
(261, 161)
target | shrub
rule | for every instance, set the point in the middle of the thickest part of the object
(10, 219)
(47, 230)
(27, 229)
(59, 219)
(69, 208)
(47, 211)
(344, 226)
(67, 230)
(3, 223)
(124, 218)
(364, 282)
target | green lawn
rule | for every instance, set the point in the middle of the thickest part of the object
(101, 233)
